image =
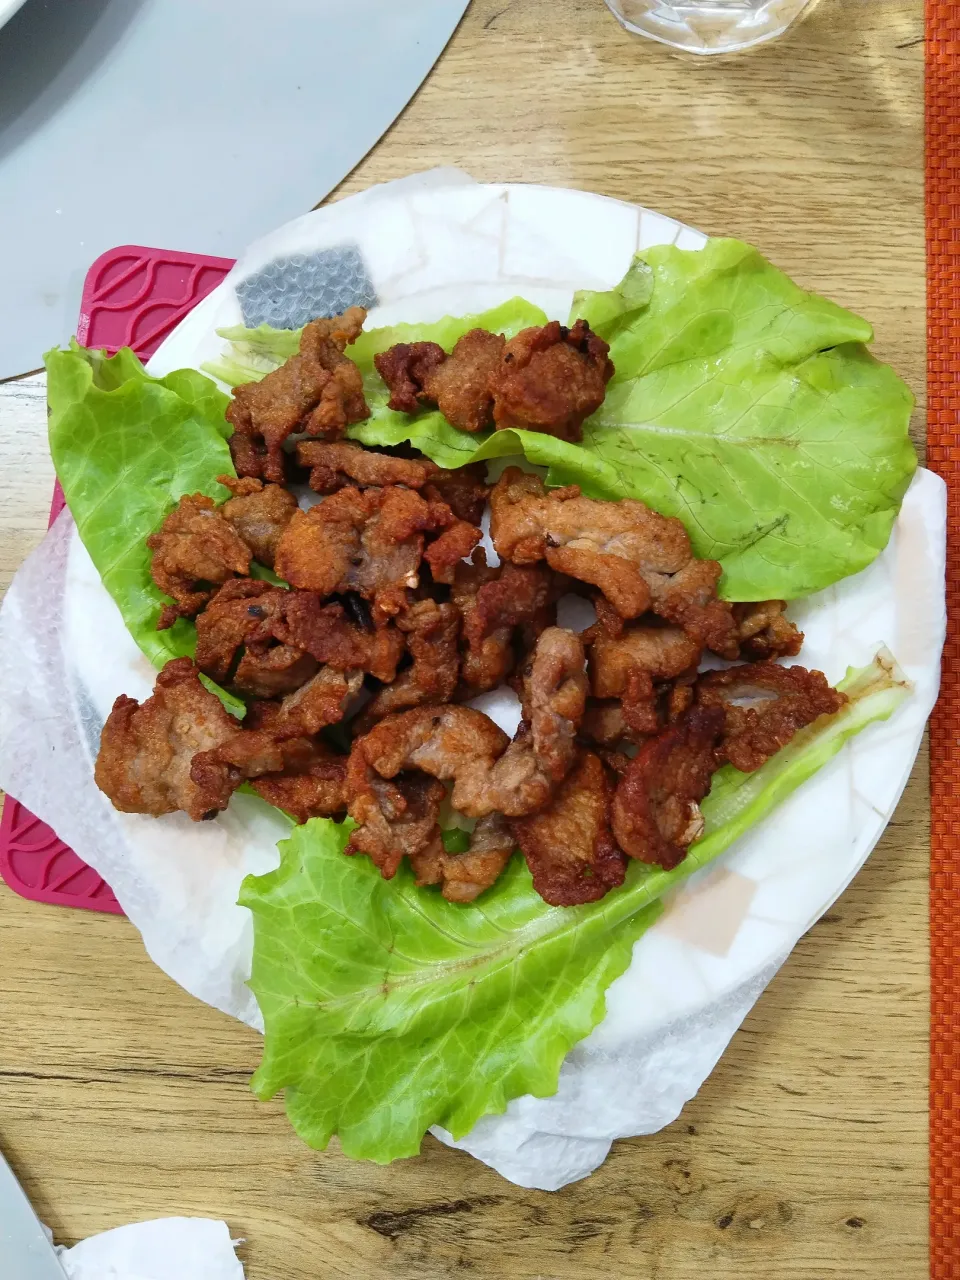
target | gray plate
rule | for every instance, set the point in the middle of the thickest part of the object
(185, 124)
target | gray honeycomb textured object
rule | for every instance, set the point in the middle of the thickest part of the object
(290, 292)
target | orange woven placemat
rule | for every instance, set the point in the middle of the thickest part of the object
(943, 380)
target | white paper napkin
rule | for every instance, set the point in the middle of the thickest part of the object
(163, 1249)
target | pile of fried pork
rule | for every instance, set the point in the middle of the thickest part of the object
(358, 674)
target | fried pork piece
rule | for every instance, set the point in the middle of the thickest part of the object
(638, 559)
(461, 387)
(464, 876)
(764, 633)
(404, 368)
(634, 665)
(604, 724)
(764, 705)
(550, 379)
(459, 384)
(194, 550)
(554, 699)
(145, 751)
(318, 391)
(317, 789)
(446, 552)
(465, 491)
(655, 814)
(369, 541)
(277, 739)
(569, 848)
(432, 632)
(495, 602)
(327, 633)
(259, 512)
(243, 612)
(334, 464)
(396, 818)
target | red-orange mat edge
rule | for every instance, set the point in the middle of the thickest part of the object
(943, 455)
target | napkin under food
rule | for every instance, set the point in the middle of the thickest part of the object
(164, 1249)
(65, 655)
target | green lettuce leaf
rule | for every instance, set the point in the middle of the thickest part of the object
(388, 1010)
(126, 447)
(749, 409)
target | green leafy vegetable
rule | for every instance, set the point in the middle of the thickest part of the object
(749, 409)
(126, 447)
(389, 1010)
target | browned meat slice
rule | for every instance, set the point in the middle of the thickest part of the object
(243, 612)
(334, 464)
(764, 705)
(404, 368)
(551, 378)
(494, 604)
(145, 751)
(569, 848)
(259, 512)
(318, 391)
(604, 723)
(321, 701)
(316, 790)
(554, 699)
(432, 632)
(656, 809)
(460, 387)
(454, 544)
(465, 491)
(764, 633)
(465, 876)
(638, 559)
(326, 633)
(194, 550)
(634, 666)
(395, 818)
(369, 541)
(269, 671)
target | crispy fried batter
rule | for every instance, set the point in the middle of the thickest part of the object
(326, 633)
(277, 739)
(604, 724)
(194, 550)
(656, 809)
(764, 706)
(494, 603)
(569, 848)
(395, 818)
(145, 751)
(638, 559)
(318, 391)
(259, 512)
(243, 612)
(763, 632)
(465, 491)
(633, 667)
(454, 544)
(267, 671)
(465, 876)
(334, 464)
(460, 386)
(550, 379)
(369, 541)
(404, 368)
(432, 631)
(317, 790)
(554, 699)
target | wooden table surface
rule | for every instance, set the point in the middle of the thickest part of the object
(804, 1155)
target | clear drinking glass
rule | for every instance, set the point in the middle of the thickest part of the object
(709, 26)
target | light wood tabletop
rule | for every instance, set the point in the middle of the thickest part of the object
(804, 1155)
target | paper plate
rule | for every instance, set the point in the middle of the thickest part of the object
(417, 250)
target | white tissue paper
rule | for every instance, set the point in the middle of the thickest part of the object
(453, 246)
(164, 1249)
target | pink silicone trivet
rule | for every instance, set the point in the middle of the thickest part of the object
(132, 297)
